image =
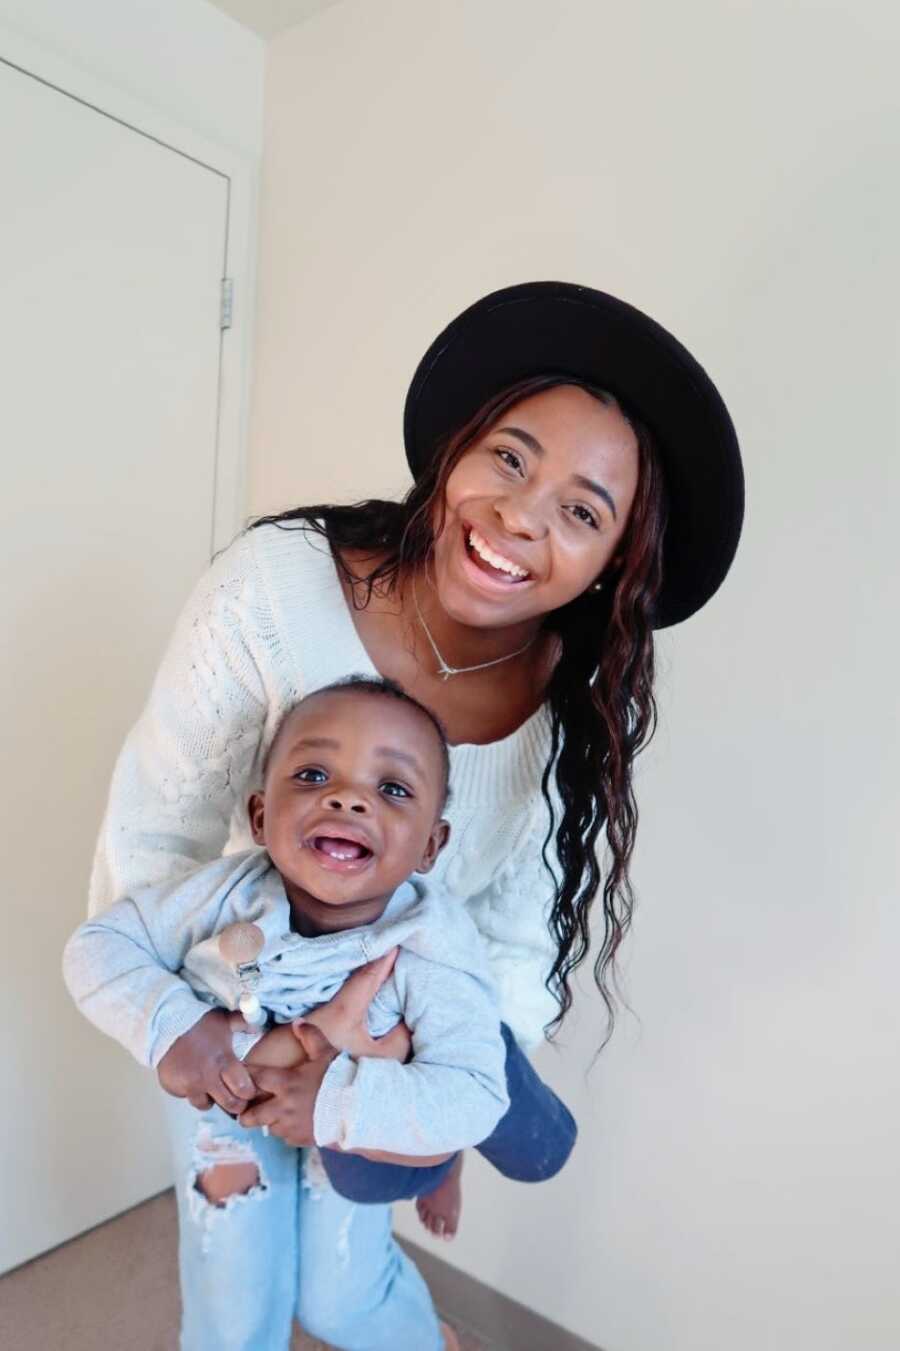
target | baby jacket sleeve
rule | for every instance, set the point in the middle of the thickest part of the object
(120, 966)
(453, 1091)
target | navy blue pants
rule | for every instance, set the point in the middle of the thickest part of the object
(530, 1143)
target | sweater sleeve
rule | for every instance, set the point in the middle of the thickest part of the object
(120, 966)
(192, 750)
(126, 986)
(512, 913)
(522, 954)
(453, 1091)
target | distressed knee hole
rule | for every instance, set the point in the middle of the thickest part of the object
(227, 1179)
(225, 1173)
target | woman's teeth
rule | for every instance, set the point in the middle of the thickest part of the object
(484, 550)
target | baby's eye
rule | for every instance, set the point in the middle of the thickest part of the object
(510, 458)
(310, 775)
(392, 789)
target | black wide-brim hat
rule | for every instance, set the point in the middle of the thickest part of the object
(554, 327)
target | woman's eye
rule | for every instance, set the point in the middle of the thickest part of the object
(311, 776)
(391, 789)
(582, 514)
(509, 457)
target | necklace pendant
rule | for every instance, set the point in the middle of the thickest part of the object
(445, 671)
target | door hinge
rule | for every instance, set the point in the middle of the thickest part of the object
(226, 303)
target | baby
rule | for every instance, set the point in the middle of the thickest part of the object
(354, 785)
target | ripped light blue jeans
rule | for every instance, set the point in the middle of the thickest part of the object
(290, 1248)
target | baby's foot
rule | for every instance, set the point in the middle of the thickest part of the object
(439, 1211)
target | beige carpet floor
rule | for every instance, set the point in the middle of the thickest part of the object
(114, 1289)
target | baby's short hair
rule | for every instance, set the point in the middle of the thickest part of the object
(377, 685)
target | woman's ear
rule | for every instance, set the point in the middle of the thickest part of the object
(436, 841)
(256, 812)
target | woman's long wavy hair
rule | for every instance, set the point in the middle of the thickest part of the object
(600, 694)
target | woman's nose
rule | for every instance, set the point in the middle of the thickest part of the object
(520, 516)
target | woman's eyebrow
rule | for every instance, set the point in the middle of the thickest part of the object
(597, 488)
(531, 441)
(534, 444)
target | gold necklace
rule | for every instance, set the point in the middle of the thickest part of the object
(444, 670)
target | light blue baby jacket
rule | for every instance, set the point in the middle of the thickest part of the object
(147, 968)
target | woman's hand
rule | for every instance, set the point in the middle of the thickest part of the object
(343, 1021)
(339, 1025)
(288, 1110)
(202, 1067)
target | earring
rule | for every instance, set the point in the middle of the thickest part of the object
(598, 586)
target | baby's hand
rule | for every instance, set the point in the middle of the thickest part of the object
(285, 1047)
(202, 1067)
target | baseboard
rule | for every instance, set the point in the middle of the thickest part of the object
(499, 1323)
(475, 1307)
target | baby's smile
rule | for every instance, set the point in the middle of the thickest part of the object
(354, 785)
(339, 852)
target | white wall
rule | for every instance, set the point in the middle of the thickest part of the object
(733, 170)
(183, 57)
(183, 72)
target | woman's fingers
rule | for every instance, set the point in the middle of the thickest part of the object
(311, 1038)
(261, 1113)
(386, 963)
(324, 1028)
(202, 1101)
(394, 1045)
(291, 1110)
(382, 967)
(341, 1018)
(269, 1106)
(228, 1101)
(236, 1077)
(358, 991)
(270, 1079)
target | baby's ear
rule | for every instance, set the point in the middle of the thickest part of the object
(256, 812)
(437, 839)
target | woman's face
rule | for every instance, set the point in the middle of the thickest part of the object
(535, 508)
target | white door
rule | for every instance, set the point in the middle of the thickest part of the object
(112, 249)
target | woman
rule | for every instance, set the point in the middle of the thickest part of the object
(577, 484)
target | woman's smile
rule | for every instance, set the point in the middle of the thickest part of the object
(488, 566)
(479, 548)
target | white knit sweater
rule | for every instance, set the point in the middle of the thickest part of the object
(267, 624)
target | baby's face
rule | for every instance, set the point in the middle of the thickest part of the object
(352, 800)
